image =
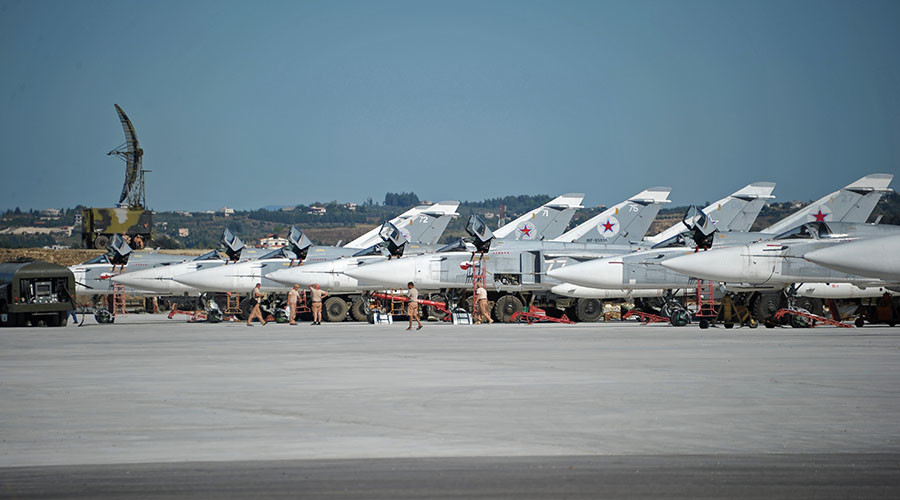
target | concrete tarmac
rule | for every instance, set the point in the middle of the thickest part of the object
(147, 390)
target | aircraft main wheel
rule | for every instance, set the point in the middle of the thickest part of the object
(431, 313)
(101, 242)
(465, 302)
(588, 310)
(358, 309)
(246, 307)
(813, 306)
(334, 309)
(766, 305)
(505, 307)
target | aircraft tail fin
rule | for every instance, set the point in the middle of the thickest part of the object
(621, 223)
(852, 203)
(735, 212)
(545, 222)
(428, 226)
(431, 223)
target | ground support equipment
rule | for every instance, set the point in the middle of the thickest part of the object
(537, 315)
(439, 306)
(645, 317)
(813, 319)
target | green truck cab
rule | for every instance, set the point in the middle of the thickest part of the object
(35, 291)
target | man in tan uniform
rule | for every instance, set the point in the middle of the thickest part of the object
(256, 312)
(412, 309)
(482, 314)
(293, 298)
(316, 295)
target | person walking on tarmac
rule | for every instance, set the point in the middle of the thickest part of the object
(293, 298)
(316, 294)
(482, 313)
(255, 312)
(413, 308)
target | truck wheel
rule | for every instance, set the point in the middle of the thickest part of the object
(358, 309)
(334, 309)
(589, 310)
(101, 242)
(505, 307)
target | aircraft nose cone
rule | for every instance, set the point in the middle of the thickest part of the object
(283, 276)
(395, 273)
(321, 274)
(207, 279)
(723, 264)
(599, 273)
(126, 279)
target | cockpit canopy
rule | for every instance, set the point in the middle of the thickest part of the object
(679, 240)
(100, 259)
(808, 231)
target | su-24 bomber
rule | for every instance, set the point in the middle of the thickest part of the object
(647, 269)
(823, 250)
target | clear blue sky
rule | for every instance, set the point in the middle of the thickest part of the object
(248, 104)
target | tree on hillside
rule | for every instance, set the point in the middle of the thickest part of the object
(400, 199)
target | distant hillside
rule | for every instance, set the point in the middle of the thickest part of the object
(339, 222)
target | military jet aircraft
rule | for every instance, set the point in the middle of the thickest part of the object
(876, 258)
(643, 270)
(780, 262)
(425, 228)
(160, 280)
(734, 213)
(547, 221)
(93, 277)
(514, 269)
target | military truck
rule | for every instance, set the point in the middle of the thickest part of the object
(35, 291)
(98, 225)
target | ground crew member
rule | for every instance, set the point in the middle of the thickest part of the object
(293, 298)
(256, 312)
(412, 309)
(316, 294)
(137, 242)
(482, 314)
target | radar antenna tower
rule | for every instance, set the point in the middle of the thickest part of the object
(133, 192)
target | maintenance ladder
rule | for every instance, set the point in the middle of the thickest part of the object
(118, 295)
(706, 302)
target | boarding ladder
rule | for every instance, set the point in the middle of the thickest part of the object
(118, 295)
(706, 302)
